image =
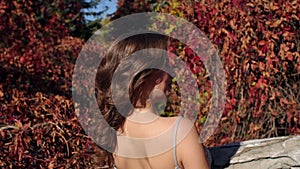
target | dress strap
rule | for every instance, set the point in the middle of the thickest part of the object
(174, 142)
(113, 161)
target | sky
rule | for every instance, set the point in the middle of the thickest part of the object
(112, 7)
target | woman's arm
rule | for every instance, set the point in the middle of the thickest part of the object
(191, 152)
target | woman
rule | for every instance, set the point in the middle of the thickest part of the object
(140, 122)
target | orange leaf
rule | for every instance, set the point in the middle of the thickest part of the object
(275, 36)
(276, 23)
(275, 7)
(262, 42)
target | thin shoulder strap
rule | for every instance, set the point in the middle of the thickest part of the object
(174, 142)
(113, 161)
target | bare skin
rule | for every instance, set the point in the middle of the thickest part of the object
(190, 153)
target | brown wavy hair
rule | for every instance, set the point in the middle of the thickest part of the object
(139, 89)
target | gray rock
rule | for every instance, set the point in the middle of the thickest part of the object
(272, 153)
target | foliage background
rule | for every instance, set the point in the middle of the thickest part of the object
(39, 41)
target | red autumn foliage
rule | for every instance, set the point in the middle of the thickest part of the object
(38, 49)
(258, 43)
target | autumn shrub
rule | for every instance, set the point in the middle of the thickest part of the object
(258, 42)
(39, 44)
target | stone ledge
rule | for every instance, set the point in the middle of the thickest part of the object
(279, 152)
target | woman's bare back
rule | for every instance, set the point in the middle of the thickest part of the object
(158, 153)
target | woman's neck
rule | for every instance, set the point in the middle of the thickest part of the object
(143, 115)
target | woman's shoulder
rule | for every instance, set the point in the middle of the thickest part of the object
(190, 150)
(182, 121)
(182, 125)
(174, 118)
